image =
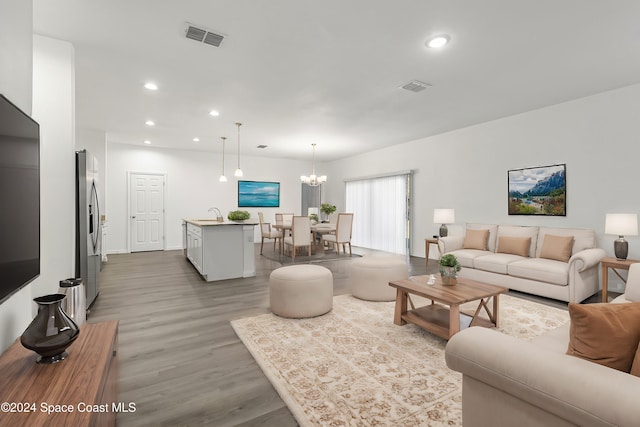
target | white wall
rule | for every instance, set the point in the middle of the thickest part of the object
(52, 80)
(466, 169)
(192, 187)
(54, 109)
(16, 61)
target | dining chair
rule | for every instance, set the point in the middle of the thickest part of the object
(287, 218)
(268, 233)
(342, 235)
(300, 235)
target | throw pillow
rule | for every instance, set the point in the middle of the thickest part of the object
(604, 333)
(476, 239)
(514, 245)
(635, 366)
(557, 247)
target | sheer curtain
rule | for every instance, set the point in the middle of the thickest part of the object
(380, 206)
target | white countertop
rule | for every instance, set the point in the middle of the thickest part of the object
(210, 222)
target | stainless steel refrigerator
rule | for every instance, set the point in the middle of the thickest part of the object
(88, 232)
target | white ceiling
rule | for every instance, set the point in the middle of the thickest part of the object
(297, 72)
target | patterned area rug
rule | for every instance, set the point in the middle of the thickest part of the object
(354, 367)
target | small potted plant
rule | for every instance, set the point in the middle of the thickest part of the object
(327, 209)
(449, 266)
(238, 215)
(313, 218)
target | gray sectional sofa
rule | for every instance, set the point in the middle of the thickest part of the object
(533, 270)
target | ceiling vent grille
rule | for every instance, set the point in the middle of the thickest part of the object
(203, 35)
(415, 86)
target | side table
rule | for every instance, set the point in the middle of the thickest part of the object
(614, 264)
(427, 242)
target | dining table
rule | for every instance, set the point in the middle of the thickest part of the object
(316, 229)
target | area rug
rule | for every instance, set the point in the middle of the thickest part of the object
(319, 256)
(355, 367)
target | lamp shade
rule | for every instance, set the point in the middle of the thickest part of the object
(621, 224)
(444, 216)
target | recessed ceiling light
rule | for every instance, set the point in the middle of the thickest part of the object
(147, 142)
(149, 123)
(151, 86)
(196, 139)
(437, 41)
(214, 113)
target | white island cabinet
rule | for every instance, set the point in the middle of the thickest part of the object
(221, 250)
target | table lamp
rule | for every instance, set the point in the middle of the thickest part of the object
(621, 224)
(444, 216)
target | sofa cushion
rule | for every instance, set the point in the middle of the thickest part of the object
(583, 238)
(466, 257)
(520, 231)
(514, 245)
(542, 270)
(556, 247)
(495, 263)
(607, 334)
(476, 239)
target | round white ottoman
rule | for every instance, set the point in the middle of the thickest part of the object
(370, 277)
(299, 291)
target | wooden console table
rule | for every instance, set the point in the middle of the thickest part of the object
(614, 264)
(78, 391)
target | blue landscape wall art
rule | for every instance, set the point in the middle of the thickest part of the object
(258, 194)
(538, 191)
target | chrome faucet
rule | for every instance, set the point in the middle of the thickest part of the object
(219, 217)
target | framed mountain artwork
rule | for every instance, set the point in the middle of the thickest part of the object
(540, 190)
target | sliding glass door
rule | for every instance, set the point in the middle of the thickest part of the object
(381, 212)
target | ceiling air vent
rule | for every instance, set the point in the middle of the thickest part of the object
(203, 35)
(415, 86)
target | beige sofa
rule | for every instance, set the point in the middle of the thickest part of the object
(571, 281)
(511, 382)
(507, 381)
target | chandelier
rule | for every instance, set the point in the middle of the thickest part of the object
(313, 180)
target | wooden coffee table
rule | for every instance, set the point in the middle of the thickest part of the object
(443, 316)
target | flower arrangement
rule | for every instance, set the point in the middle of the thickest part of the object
(327, 209)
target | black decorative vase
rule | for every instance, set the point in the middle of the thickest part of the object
(51, 331)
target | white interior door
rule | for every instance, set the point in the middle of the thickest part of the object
(146, 212)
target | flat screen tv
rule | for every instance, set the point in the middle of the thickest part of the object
(19, 199)
(258, 194)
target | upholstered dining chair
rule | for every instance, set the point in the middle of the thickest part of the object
(343, 233)
(268, 233)
(300, 235)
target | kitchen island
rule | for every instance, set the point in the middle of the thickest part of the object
(220, 250)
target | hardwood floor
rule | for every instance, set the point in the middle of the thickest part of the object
(180, 361)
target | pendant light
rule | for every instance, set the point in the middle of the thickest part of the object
(238, 172)
(313, 180)
(223, 178)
